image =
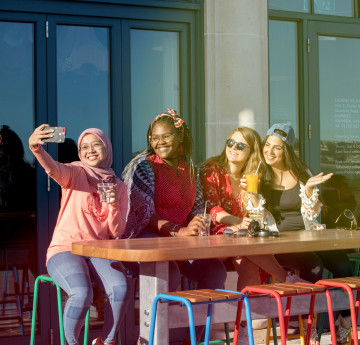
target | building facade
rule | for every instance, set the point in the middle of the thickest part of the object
(116, 64)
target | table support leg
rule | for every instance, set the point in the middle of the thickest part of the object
(154, 279)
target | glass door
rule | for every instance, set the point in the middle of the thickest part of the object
(81, 85)
(334, 114)
(23, 221)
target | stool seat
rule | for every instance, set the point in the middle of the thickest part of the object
(205, 295)
(284, 289)
(288, 291)
(189, 298)
(352, 282)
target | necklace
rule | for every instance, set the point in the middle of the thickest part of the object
(279, 186)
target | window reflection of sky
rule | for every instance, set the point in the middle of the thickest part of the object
(83, 78)
(154, 79)
(283, 66)
(17, 80)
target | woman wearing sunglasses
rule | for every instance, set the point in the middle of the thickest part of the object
(292, 197)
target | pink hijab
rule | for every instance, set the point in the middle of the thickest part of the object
(103, 172)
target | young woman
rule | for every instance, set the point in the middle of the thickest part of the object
(83, 217)
(292, 197)
(165, 197)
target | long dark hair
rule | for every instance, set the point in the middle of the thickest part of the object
(292, 162)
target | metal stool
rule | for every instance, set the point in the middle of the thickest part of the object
(349, 285)
(198, 297)
(47, 279)
(279, 291)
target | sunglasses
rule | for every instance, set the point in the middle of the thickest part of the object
(348, 214)
(238, 145)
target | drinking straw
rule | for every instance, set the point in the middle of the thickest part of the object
(205, 208)
(258, 167)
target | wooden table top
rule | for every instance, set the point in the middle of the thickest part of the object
(216, 246)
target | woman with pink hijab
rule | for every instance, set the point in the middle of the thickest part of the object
(83, 216)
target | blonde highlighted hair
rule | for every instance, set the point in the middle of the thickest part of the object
(253, 140)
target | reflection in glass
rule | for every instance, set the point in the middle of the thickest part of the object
(290, 5)
(339, 124)
(283, 70)
(334, 7)
(83, 78)
(17, 177)
(155, 84)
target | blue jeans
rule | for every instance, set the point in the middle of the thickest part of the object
(74, 274)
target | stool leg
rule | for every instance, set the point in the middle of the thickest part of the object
(331, 316)
(153, 319)
(61, 323)
(281, 318)
(237, 323)
(208, 325)
(287, 314)
(310, 319)
(248, 321)
(33, 319)
(17, 296)
(86, 328)
(227, 337)
(191, 322)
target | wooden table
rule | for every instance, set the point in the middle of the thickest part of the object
(155, 253)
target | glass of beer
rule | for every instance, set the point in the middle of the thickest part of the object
(252, 181)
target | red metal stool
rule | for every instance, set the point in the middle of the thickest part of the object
(279, 291)
(349, 285)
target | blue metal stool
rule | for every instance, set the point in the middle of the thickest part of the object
(43, 279)
(198, 297)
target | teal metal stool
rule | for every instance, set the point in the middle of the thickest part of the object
(47, 279)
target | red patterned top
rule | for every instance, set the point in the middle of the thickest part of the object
(175, 192)
(219, 194)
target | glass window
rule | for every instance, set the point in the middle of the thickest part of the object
(339, 124)
(334, 7)
(155, 81)
(290, 5)
(83, 78)
(17, 177)
(283, 69)
(17, 80)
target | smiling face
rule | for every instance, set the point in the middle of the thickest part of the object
(274, 151)
(92, 151)
(165, 141)
(237, 156)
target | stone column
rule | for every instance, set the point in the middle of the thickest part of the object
(236, 69)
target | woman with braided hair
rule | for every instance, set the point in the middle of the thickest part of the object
(164, 197)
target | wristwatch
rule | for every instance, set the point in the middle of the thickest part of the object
(173, 230)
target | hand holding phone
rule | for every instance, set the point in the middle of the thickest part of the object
(58, 135)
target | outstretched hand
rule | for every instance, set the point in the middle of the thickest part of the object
(37, 137)
(316, 180)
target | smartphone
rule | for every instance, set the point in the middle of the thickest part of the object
(58, 135)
